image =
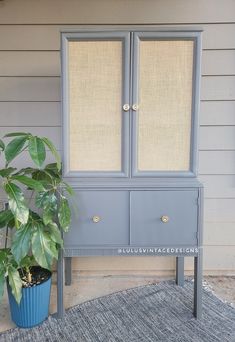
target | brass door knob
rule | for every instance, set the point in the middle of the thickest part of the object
(164, 219)
(134, 107)
(126, 107)
(96, 219)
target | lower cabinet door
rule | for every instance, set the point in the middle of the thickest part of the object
(99, 218)
(164, 218)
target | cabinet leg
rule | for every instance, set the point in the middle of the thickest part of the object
(60, 285)
(68, 271)
(180, 271)
(198, 285)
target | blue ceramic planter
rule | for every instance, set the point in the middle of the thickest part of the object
(34, 305)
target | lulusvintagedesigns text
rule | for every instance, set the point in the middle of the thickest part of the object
(158, 250)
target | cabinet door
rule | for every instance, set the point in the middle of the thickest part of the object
(95, 88)
(165, 88)
(164, 218)
(99, 218)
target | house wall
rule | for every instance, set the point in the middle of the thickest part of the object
(30, 99)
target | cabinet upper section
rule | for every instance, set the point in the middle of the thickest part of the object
(130, 103)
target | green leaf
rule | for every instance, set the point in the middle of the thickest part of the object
(2, 283)
(28, 261)
(17, 202)
(68, 188)
(34, 216)
(15, 147)
(2, 145)
(37, 150)
(48, 214)
(42, 247)
(21, 242)
(6, 172)
(12, 223)
(64, 214)
(42, 176)
(17, 134)
(53, 171)
(4, 253)
(31, 183)
(5, 217)
(53, 247)
(44, 199)
(26, 171)
(52, 148)
(55, 233)
(53, 175)
(52, 167)
(15, 283)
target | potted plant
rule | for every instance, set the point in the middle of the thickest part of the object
(37, 211)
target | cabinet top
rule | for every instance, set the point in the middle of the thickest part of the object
(133, 184)
(133, 28)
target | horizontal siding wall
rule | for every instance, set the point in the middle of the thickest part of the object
(116, 11)
(30, 98)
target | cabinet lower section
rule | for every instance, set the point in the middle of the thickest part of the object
(128, 222)
(116, 220)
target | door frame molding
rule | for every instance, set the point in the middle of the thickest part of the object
(66, 37)
(169, 34)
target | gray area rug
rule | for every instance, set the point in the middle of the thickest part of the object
(161, 312)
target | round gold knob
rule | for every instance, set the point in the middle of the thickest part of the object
(134, 107)
(126, 107)
(96, 219)
(165, 219)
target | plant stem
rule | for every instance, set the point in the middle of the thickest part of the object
(31, 196)
(28, 275)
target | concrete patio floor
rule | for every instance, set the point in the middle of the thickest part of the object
(88, 286)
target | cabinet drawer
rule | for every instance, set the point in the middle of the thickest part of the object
(99, 218)
(148, 209)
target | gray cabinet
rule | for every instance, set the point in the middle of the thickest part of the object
(130, 121)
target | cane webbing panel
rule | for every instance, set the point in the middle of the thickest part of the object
(95, 100)
(165, 99)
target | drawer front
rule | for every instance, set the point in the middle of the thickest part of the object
(148, 209)
(99, 218)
